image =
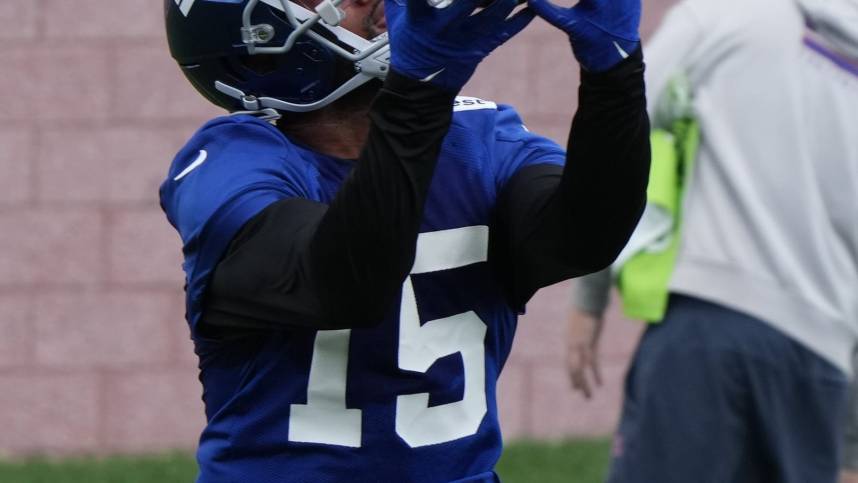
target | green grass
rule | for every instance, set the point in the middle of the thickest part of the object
(569, 462)
(178, 468)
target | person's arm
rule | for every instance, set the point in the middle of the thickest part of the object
(590, 297)
(591, 293)
(304, 264)
(556, 223)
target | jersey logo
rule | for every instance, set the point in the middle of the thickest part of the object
(623, 53)
(185, 6)
(463, 103)
(429, 77)
(200, 160)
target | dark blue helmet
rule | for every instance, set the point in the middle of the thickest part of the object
(271, 54)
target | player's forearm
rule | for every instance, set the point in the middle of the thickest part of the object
(364, 246)
(603, 190)
(564, 224)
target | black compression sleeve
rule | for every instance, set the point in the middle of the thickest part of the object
(364, 247)
(553, 223)
(301, 263)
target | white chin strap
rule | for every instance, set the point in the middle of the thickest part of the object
(371, 58)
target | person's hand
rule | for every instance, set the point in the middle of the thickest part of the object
(444, 45)
(602, 32)
(582, 358)
(849, 476)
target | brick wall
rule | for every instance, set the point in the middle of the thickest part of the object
(94, 353)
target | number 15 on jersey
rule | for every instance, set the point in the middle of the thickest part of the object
(325, 419)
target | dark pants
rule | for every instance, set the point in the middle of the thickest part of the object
(717, 396)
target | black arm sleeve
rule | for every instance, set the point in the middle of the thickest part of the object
(301, 263)
(553, 224)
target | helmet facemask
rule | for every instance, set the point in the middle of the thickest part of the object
(369, 58)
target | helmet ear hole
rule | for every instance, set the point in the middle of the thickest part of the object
(234, 71)
(261, 64)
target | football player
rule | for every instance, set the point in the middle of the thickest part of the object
(358, 240)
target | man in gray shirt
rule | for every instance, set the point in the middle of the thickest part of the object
(746, 376)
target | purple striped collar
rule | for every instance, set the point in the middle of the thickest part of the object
(816, 43)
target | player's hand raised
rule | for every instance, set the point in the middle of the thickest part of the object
(602, 32)
(443, 44)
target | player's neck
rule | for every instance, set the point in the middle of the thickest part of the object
(333, 132)
(338, 130)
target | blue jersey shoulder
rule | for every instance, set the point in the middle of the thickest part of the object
(225, 157)
(228, 172)
(511, 144)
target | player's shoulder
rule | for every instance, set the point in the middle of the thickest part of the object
(501, 124)
(229, 156)
(497, 134)
(234, 145)
(228, 136)
(494, 119)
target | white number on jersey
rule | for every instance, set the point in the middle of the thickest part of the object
(325, 418)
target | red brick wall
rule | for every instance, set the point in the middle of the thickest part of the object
(94, 353)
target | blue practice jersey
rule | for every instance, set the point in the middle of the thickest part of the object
(411, 400)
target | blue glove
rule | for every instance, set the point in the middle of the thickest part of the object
(444, 45)
(602, 32)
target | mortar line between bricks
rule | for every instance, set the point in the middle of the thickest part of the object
(86, 205)
(72, 206)
(175, 347)
(32, 333)
(84, 42)
(40, 23)
(529, 424)
(102, 403)
(121, 372)
(113, 89)
(114, 122)
(166, 288)
(194, 122)
(40, 370)
(107, 219)
(36, 161)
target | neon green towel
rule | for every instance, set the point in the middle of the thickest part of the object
(643, 279)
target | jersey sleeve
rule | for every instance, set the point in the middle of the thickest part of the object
(228, 173)
(516, 147)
